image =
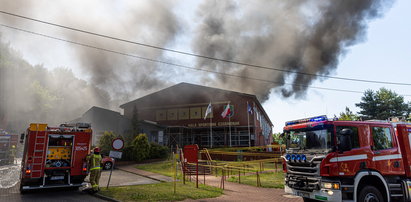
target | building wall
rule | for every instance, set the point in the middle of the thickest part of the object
(185, 106)
(104, 120)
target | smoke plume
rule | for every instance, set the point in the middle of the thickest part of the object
(301, 36)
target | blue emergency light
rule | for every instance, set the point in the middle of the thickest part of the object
(298, 157)
(306, 120)
(303, 157)
(288, 157)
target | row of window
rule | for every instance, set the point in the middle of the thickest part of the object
(381, 137)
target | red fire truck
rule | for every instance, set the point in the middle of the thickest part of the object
(55, 156)
(331, 160)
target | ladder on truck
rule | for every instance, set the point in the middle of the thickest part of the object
(39, 151)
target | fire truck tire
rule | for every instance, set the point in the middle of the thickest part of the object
(22, 191)
(107, 166)
(370, 193)
(309, 200)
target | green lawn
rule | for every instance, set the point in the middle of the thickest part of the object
(163, 167)
(268, 180)
(161, 192)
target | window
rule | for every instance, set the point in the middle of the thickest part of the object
(354, 137)
(382, 138)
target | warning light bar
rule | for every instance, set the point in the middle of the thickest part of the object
(311, 119)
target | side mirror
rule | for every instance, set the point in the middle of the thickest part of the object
(345, 140)
(22, 138)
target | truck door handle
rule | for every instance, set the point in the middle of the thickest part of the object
(396, 164)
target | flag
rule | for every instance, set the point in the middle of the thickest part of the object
(226, 111)
(208, 111)
(249, 109)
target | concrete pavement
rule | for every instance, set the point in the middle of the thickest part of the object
(153, 176)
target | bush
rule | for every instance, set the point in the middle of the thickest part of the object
(157, 151)
(128, 154)
(141, 148)
(105, 142)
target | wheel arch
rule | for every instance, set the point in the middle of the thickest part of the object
(375, 178)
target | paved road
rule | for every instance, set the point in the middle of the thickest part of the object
(10, 191)
(55, 195)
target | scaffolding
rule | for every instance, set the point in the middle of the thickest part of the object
(182, 135)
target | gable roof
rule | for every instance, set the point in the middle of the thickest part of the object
(175, 92)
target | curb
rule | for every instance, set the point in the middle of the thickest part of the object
(97, 195)
(142, 175)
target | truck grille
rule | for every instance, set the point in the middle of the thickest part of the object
(303, 176)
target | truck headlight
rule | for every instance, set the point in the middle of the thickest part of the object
(330, 185)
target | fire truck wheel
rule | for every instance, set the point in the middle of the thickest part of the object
(22, 191)
(107, 165)
(370, 194)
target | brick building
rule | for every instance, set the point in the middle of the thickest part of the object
(180, 110)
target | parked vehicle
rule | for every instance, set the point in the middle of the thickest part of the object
(107, 162)
(331, 160)
(55, 156)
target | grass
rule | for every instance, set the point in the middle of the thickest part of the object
(268, 180)
(163, 167)
(161, 192)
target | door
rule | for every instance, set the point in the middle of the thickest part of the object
(350, 161)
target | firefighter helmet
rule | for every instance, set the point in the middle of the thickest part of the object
(96, 149)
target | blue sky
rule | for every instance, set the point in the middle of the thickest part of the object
(385, 55)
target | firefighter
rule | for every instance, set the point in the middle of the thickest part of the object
(94, 165)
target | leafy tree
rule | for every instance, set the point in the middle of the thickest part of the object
(131, 134)
(348, 115)
(141, 147)
(278, 138)
(134, 121)
(382, 105)
(105, 142)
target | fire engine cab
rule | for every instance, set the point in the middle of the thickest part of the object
(55, 156)
(331, 160)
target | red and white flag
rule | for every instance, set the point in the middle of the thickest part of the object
(226, 111)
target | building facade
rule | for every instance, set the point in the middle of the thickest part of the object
(102, 120)
(181, 110)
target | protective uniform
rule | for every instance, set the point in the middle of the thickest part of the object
(95, 169)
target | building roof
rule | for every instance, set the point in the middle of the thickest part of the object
(175, 92)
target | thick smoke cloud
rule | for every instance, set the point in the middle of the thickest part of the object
(308, 36)
(34, 94)
(304, 36)
(112, 79)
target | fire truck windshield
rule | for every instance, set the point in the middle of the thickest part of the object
(310, 139)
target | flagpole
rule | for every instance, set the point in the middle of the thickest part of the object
(229, 125)
(248, 124)
(211, 131)
(255, 125)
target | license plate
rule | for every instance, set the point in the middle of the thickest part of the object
(302, 194)
(57, 178)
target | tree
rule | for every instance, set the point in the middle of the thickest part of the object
(278, 138)
(382, 105)
(348, 115)
(141, 147)
(134, 121)
(105, 142)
